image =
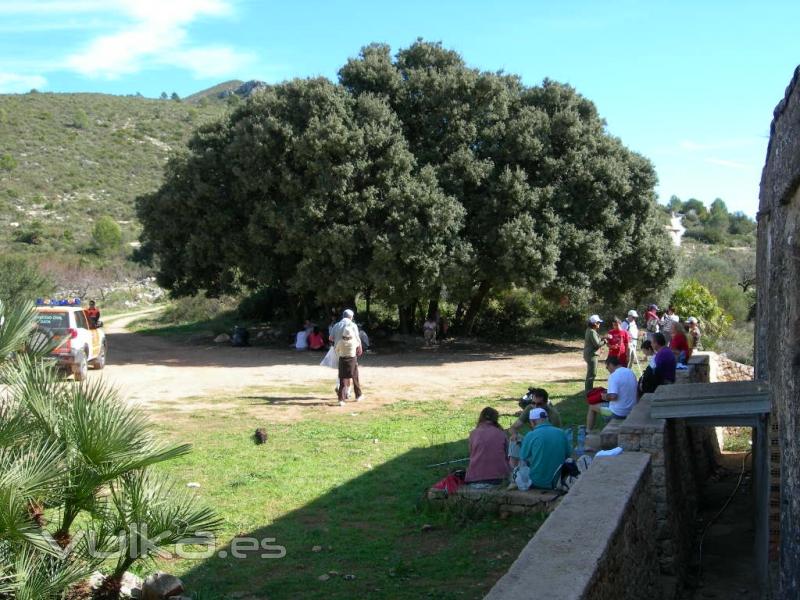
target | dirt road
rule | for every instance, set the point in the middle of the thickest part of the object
(159, 372)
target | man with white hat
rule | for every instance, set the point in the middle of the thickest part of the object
(592, 343)
(347, 342)
(630, 325)
(544, 450)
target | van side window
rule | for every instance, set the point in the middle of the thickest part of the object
(80, 320)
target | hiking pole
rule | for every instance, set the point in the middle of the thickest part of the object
(448, 462)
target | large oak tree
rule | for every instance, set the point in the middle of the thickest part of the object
(414, 175)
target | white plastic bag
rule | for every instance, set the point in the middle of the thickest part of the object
(331, 359)
(522, 477)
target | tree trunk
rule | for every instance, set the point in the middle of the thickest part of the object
(367, 299)
(404, 314)
(433, 303)
(475, 304)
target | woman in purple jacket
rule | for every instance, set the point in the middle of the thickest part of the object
(488, 449)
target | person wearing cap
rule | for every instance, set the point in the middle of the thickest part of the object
(592, 342)
(630, 325)
(621, 396)
(347, 342)
(488, 446)
(544, 450)
(651, 321)
(539, 398)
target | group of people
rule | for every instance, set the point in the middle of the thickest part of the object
(668, 344)
(494, 453)
(310, 337)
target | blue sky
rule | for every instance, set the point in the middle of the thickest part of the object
(691, 85)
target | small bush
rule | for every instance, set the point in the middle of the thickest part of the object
(264, 305)
(694, 300)
(192, 309)
(507, 316)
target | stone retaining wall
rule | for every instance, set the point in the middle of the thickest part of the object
(500, 500)
(597, 544)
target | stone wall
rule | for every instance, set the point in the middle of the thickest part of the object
(682, 458)
(777, 354)
(598, 543)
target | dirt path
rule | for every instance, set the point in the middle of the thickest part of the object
(161, 372)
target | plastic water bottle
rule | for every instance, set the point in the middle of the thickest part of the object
(581, 440)
(568, 434)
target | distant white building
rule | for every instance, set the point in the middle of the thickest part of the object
(676, 229)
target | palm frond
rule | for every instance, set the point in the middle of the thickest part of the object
(16, 324)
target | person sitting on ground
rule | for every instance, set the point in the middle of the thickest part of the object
(539, 399)
(678, 344)
(488, 446)
(618, 340)
(429, 330)
(315, 340)
(647, 382)
(664, 361)
(364, 338)
(619, 399)
(301, 341)
(544, 450)
(308, 326)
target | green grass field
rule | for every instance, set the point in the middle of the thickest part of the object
(351, 484)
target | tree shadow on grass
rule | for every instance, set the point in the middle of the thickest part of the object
(378, 529)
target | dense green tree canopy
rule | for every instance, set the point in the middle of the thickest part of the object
(415, 174)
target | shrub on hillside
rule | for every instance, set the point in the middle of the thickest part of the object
(21, 281)
(106, 235)
(692, 299)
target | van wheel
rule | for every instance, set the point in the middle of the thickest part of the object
(100, 362)
(81, 370)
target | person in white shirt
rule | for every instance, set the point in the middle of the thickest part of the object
(668, 323)
(301, 340)
(621, 396)
(630, 325)
(347, 342)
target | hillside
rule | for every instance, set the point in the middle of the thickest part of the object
(67, 159)
(214, 93)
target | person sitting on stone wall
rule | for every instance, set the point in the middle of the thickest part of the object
(664, 361)
(539, 398)
(488, 446)
(621, 396)
(544, 450)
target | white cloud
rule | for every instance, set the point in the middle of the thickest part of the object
(157, 34)
(13, 83)
(211, 61)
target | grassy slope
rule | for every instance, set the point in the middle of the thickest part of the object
(352, 484)
(75, 157)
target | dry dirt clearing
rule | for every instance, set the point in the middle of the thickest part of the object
(165, 374)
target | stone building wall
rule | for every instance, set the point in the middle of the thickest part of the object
(777, 352)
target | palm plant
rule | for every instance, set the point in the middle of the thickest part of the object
(62, 446)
